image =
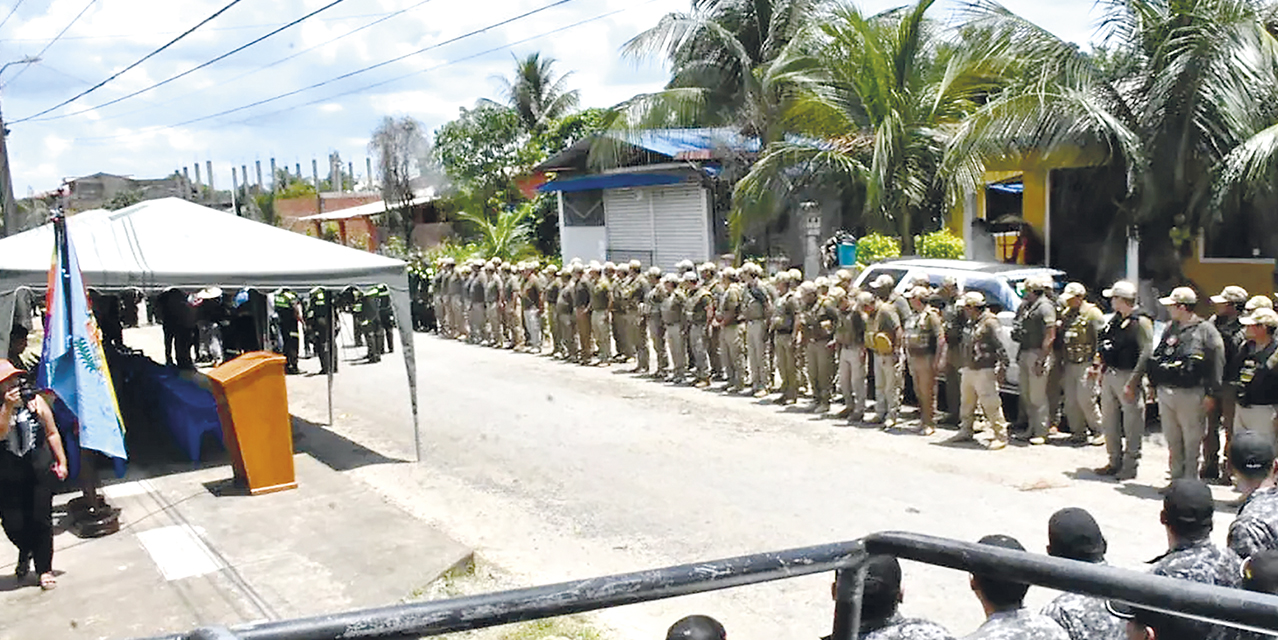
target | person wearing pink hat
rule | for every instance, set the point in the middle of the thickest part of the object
(31, 456)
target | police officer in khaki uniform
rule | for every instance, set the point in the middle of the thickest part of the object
(952, 314)
(1187, 368)
(1035, 331)
(820, 315)
(1080, 326)
(728, 321)
(550, 307)
(1123, 349)
(656, 330)
(885, 333)
(784, 323)
(984, 367)
(581, 293)
(601, 314)
(699, 310)
(1255, 382)
(1230, 305)
(849, 339)
(755, 308)
(634, 322)
(674, 317)
(924, 339)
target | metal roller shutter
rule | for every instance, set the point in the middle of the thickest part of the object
(682, 224)
(628, 216)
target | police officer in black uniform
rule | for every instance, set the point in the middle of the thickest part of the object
(286, 310)
(385, 317)
(370, 325)
(319, 322)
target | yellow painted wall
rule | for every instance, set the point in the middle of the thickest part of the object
(1211, 275)
(1034, 200)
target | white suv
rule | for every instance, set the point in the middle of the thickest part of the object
(999, 282)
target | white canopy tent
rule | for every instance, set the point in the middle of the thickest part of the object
(171, 243)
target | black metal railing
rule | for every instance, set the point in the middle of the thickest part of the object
(1233, 607)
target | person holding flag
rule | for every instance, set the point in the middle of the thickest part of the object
(31, 456)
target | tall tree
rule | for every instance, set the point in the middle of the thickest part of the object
(733, 64)
(1182, 89)
(399, 144)
(537, 95)
(875, 122)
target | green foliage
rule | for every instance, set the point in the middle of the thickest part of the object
(330, 232)
(394, 247)
(296, 189)
(485, 149)
(124, 198)
(537, 95)
(266, 204)
(875, 247)
(939, 244)
(507, 234)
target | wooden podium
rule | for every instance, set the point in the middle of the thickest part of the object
(252, 404)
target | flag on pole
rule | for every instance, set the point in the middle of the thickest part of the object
(73, 365)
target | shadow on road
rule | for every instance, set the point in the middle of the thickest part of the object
(334, 450)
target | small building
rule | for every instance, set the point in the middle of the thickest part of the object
(660, 203)
(98, 190)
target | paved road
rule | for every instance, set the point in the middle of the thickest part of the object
(556, 472)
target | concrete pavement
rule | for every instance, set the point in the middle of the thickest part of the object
(194, 550)
(555, 471)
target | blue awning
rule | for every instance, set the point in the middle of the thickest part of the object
(613, 181)
(1008, 187)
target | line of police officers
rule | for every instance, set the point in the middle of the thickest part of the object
(786, 335)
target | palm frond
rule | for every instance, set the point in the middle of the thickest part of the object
(785, 168)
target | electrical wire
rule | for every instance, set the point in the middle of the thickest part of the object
(51, 43)
(441, 65)
(376, 84)
(374, 66)
(383, 18)
(238, 27)
(11, 12)
(188, 71)
(144, 58)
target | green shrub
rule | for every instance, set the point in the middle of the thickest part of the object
(939, 244)
(875, 247)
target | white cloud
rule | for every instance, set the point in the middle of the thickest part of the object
(131, 138)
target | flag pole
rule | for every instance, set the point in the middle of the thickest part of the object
(91, 515)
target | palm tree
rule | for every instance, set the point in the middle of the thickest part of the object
(1183, 89)
(733, 62)
(537, 95)
(876, 121)
(507, 235)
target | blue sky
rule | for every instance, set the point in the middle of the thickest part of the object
(145, 136)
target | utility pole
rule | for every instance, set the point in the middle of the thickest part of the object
(259, 175)
(235, 186)
(6, 190)
(275, 180)
(368, 166)
(208, 164)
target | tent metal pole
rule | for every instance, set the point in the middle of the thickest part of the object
(332, 359)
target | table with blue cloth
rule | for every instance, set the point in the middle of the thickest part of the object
(150, 391)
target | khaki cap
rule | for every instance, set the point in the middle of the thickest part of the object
(1262, 316)
(837, 293)
(865, 298)
(1073, 290)
(884, 280)
(1121, 289)
(1179, 295)
(1259, 302)
(919, 292)
(1232, 294)
(973, 299)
